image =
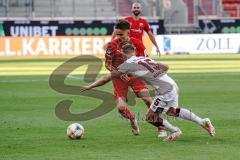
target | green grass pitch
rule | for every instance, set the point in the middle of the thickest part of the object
(29, 129)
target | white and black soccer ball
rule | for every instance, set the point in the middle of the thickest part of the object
(75, 131)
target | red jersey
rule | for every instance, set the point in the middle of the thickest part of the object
(114, 56)
(137, 27)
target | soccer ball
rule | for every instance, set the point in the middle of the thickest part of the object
(75, 131)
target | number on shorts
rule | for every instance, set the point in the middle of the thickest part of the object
(157, 101)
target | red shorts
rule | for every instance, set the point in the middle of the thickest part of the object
(121, 87)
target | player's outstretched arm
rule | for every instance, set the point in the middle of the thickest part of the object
(100, 82)
(153, 40)
(116, 74)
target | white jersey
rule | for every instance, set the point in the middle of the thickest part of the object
(145, 69)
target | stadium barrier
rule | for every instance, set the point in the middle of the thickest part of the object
(53, 46)
(223, 25)
(200, 44)
(58, 46)
(25, 28)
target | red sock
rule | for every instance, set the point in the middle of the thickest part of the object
(127, 114)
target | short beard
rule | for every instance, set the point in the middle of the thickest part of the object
(137, 13)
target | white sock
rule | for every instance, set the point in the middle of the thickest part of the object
(188, 115)
(169, 126)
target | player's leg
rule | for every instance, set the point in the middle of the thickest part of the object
(186, 114)
(146, 97)
(122, 108)
(141, 91)
(120, 93)
(150, 116)
(126, 113)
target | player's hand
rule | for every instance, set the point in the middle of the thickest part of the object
(85, 88)
(158, 67)
(125, 77)
(161, 67)
(113, 68)
(158, 52)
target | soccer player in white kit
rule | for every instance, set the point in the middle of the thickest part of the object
(166, 90)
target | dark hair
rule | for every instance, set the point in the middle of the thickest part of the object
(122, 24)
(128, 48)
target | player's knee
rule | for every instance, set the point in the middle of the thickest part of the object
(172, 111)
(148, 101)
(145, 96)
(121, 104)
(155, 120)
(150, 117)
(121, 108)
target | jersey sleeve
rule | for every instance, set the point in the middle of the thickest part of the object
(110, 51)
(147, 27)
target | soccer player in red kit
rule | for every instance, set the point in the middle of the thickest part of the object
(138, 25)
(114, 58)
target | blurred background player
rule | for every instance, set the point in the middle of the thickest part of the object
(166, 89)
(138, 25)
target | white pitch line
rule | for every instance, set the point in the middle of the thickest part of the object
(23, 80)
(37, 80)
(79, 77)
(75, 77)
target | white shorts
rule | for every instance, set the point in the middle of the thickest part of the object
(161, 103)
